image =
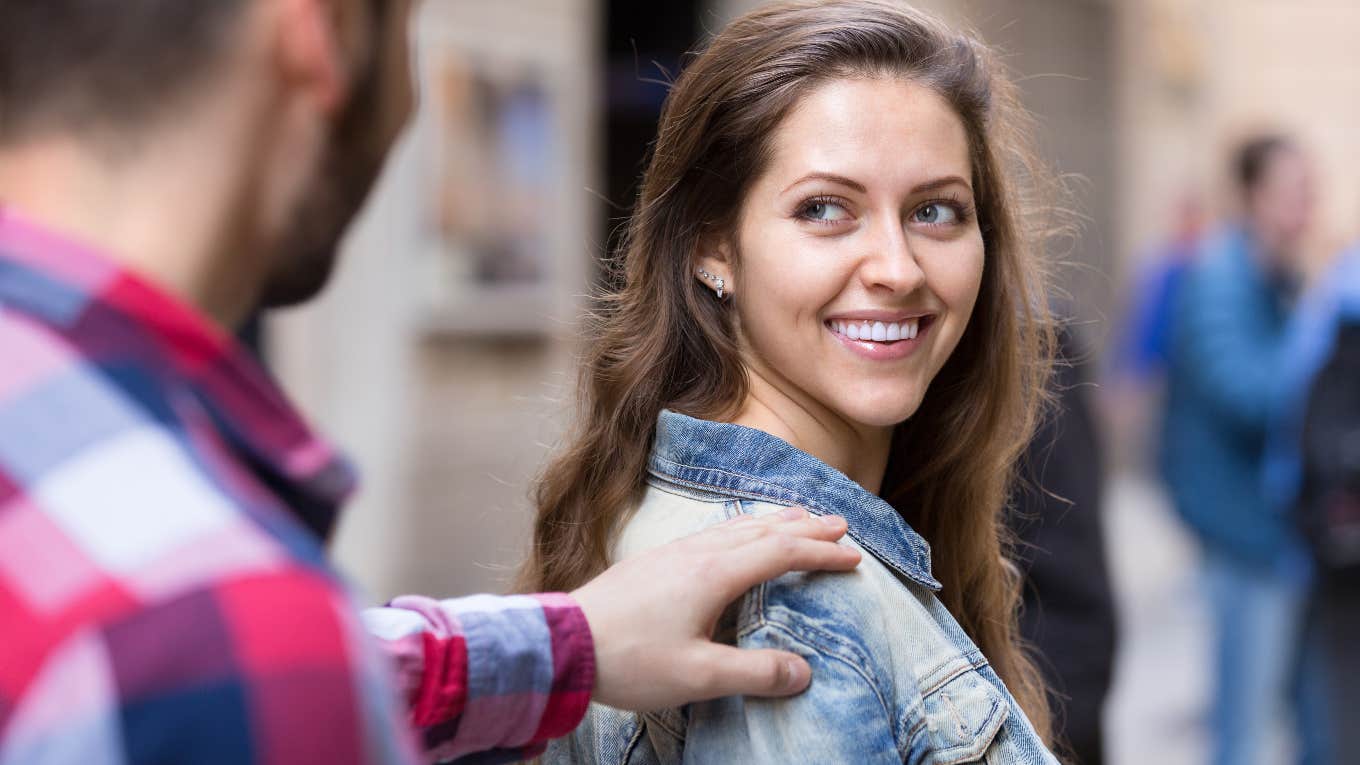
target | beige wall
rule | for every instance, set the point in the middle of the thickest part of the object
(1195, 75)
(448, 429)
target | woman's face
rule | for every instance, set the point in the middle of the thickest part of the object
(859, 251)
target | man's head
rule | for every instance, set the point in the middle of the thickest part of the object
(314, 93)
(1276, 183)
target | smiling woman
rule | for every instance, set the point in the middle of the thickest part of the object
(828, 299)
(862, 218)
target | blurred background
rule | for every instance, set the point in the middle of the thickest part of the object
(441, 358)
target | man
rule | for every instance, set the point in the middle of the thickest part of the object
(1225, 356)
(165, 166)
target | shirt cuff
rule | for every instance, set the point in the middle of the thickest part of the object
(573, 648)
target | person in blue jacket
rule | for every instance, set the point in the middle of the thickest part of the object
(1230, 318)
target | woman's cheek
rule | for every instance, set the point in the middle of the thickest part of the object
(960, 276)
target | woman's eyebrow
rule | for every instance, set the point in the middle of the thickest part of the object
(932, 185)
(939, 183)
(832, 177)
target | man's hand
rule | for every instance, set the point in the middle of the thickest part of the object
(653, 615)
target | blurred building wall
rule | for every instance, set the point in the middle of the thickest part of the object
(1194, 76)
(448, 427)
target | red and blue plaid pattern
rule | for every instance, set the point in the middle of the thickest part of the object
(164, 595)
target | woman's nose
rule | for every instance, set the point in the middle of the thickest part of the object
(892, 264)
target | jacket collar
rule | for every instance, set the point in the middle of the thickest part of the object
(738, 461)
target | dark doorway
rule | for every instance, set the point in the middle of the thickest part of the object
(644, 47)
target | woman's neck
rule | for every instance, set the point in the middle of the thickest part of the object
(859, 452)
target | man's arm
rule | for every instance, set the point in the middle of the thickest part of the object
(484, 673)
(265, 668)
(1227, 350)
(509, 674)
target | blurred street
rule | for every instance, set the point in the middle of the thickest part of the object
(1162, 669)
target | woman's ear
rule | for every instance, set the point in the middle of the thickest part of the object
(713, 266)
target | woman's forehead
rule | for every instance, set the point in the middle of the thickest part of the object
(880, 130)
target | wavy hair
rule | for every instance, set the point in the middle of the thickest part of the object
(659, 340)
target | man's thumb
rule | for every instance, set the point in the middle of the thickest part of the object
(753, 672)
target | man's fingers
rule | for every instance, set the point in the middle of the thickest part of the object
(826, 527)
(794, 520)
(781, 553)
(728, 671)
(745, 521)
(739, 569)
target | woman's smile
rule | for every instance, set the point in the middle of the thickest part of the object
(877, 339)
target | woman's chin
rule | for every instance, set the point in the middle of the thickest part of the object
(888, 414)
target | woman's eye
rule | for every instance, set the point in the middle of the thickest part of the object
(823, 211)
(936, 213)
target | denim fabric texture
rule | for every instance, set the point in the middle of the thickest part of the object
(895, 678)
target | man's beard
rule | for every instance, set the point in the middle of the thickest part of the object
(350, 166)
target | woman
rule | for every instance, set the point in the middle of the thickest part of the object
(828, 299)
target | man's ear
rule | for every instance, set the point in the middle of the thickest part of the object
(317, 41)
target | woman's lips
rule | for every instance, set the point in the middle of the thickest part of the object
(878, 340)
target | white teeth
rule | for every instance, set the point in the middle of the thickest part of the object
(877, 331)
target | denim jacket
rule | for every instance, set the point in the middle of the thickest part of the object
(895, 678)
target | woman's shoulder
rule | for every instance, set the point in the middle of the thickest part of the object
(666, 513)
(898, 638)
(871, 616)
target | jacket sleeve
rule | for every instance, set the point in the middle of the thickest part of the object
(1229, 352)
(492, 676)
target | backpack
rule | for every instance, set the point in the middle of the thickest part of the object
(1329, 508)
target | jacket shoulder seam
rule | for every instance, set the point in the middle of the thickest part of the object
(858, 670)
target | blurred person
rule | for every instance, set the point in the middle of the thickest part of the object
(829, 296)
(165, 166)
(1068, 612)
(1143, 351)
(1225, 356)
(1313, 475)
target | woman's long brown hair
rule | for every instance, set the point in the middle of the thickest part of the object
(660, 340)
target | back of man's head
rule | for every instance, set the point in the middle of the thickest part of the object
(104, 65)
(1252, 159)
(265, 123)
(1274, 178)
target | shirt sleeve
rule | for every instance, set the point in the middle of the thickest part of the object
(272, 668)
(495, 677)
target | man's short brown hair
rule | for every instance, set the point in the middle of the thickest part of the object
(80, 65)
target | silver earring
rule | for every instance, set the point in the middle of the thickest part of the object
(718, 281)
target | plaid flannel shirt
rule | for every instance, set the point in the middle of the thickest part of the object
(164, 595)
